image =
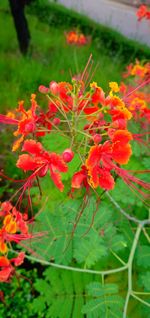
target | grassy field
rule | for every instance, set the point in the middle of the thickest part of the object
(50, 58)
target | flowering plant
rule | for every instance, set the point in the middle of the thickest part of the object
(76, 38)
(95, 135)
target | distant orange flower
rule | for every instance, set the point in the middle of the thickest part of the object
(76, 38)
(143, 12)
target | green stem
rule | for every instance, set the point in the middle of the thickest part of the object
(76, 269)
(127, 216)
(141, 293)
(129, 266)
(119, 259)
(141, 300)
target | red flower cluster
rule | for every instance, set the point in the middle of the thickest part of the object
(136, 94)
(96, 126)
(14, 228)
(143, 13)
(76, 38)
(101, 160)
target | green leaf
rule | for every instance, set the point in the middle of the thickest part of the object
(93, 236)
(143, 256)
(62, 294)
(146, 163)
(54, 142)
(89, 250)
(144, 280)
(122, 193)
(39, 306)
(105, 301)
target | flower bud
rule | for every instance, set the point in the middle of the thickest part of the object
(68, 155)
(43, 89)
(56, 121)
(97, 138)
(54, 88)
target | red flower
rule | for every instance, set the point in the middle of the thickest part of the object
(142, 12)
(121, 149)
(27, 122)
(13, 222)
(39, 161)
(19, 259)
(100, 160)
(6, 269)
(76, 38)
(80, 179)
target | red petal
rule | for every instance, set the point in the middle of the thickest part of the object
(121, 154)
(4, 262)
(90, 110)
(123, 136)
(94, 177)
(98, 96)
(5, 273)
(78, 179)
(32, 147)
(106, 181)
(26, 163)
(58, 162)
(19, 259)
(94, 156)
(56, 179)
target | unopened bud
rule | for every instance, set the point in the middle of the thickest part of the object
(68, 155)
(43, 89)
(54, 87)
(56, 121)
(97, 138)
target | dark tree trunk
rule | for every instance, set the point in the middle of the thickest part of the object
(21, 25)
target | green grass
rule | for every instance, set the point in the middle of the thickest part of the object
(50, 59)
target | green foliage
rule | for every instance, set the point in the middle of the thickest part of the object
(144, 280)
(61, 294)
(90, 243)
(105, 301)
(89, 250)
(143, 256)
(65, 294)
(18, 295)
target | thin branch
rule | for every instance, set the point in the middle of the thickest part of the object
(141, 300)
(129, 217)
(129, 266)
(141, 293)
(119, 259)
(76, 269)
(146, 235)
